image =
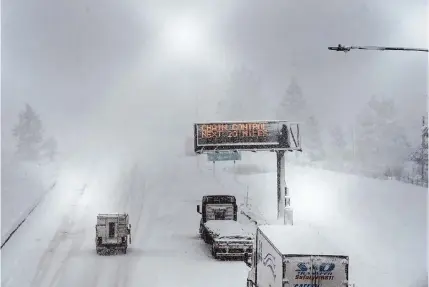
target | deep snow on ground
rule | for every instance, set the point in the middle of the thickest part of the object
(380, 224)
(56, 245)
(22, 185)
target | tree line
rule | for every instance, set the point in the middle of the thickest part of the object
(376, 144)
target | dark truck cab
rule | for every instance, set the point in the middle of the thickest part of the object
(220, 229)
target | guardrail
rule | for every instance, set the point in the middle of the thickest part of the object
(6, 237)
(253, 217)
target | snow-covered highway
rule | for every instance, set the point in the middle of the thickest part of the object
(56, 247)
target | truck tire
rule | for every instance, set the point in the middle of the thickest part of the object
(214, 254)
(205, 237)
(125, 250)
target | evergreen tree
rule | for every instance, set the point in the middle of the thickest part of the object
(29, 134)
(381, 143)
(293, 106)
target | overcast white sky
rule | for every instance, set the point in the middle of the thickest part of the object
(114, 68)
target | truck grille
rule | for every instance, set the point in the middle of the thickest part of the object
(234, 250)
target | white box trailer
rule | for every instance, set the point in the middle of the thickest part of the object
(112, 232)
(296, 256)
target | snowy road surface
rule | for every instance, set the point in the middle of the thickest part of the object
(55, 247)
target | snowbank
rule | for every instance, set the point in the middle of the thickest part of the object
(383, 222)
(23, 185)
(253, 216)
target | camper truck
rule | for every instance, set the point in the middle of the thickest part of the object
(112, 232)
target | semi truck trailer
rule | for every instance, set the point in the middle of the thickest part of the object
(295, 256)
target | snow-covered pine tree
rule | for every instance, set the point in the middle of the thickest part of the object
(293, 106)
(29, 134)
(380, 141)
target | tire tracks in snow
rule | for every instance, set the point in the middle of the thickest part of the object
(122, 268)
(129, 196)
(97, 268)
(136, 205)
(77, 238)
(61, 235)
(30, 211)
(100, 264)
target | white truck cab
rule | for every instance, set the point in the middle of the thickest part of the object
(112, 232)
(295, 256)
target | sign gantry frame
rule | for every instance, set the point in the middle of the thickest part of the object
(255, 136)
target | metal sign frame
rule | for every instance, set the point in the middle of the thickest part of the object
(270, 136)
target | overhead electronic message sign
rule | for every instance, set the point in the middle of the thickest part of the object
(252, 135)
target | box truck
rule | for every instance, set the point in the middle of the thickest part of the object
(112, 232)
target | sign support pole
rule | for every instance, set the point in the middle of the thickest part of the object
(284, 210)
(214, 169)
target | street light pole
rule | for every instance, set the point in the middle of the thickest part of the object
(346, 49)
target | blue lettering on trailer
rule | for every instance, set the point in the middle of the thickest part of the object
(323, 268)
(307, 271)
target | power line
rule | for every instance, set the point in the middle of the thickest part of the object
(346, 49)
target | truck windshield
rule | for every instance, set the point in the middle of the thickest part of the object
(219, 214)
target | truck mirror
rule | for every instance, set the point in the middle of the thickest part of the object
(129, 225)
(247, 260)
(198, 209)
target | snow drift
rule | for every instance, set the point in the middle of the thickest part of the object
(383, 222)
